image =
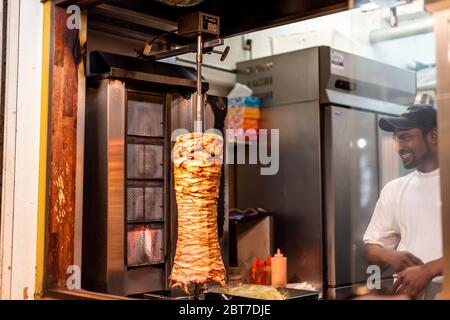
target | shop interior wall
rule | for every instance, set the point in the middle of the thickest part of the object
(21, 149)
(350, 31)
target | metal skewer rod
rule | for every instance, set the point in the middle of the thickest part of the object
(200, 114)
(199, 124)
(197, 291)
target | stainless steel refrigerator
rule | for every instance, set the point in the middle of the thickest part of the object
(333, 158)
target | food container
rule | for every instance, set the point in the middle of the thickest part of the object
(216, 293)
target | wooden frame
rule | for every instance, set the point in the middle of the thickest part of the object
(441, 13)
(63, 104)
(58, 200)
(79, 2)
(62, 156)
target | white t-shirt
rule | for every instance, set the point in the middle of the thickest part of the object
(407, 216)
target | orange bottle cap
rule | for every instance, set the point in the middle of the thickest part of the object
(278, 254)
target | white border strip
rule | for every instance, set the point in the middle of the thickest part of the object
(9, 155)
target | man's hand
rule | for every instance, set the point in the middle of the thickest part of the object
(412, 281)
(401, 260)
(387, 257)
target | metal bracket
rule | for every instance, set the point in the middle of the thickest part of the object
(223, 54)
(208, 47)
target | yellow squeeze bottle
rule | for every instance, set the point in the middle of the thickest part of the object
(279, 270)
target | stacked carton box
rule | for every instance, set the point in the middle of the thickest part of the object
(243, 117)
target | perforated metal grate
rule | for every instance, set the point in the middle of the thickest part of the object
(154, 204)
(145, 161)
(135, 204)
(145, 119)
(145, 245)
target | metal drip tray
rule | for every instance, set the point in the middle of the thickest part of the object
(168, 295)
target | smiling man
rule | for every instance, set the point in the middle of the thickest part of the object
(405, 232)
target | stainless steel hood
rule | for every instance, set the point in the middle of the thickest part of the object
(356, 81)
(237, 16)
(343, 79)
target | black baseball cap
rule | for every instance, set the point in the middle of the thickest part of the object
(422, 116)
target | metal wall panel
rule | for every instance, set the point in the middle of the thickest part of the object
(351, 170)
(293, 195)
(283, 79)
(116, 109)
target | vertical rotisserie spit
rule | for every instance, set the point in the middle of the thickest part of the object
(197, 169)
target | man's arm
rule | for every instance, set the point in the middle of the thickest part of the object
(382, 235)
(434, 268)
(386, 257)
(414, 280)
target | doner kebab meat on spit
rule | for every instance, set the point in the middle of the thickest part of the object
(197, 169)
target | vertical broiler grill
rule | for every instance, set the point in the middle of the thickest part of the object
(129, 223)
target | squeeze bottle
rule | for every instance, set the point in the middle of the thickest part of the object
(279, 270)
